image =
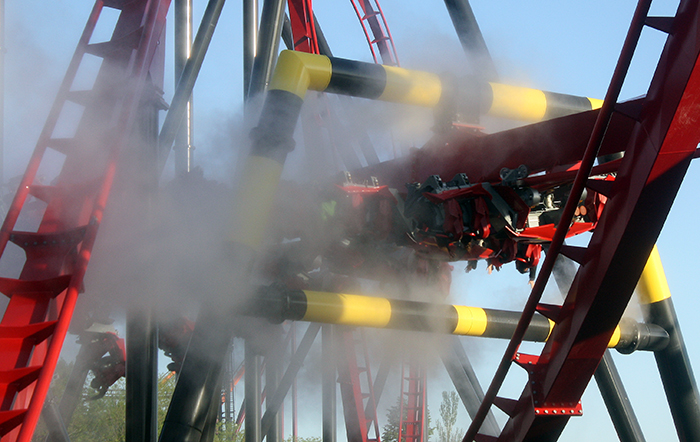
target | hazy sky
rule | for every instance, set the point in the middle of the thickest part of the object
(568, 47)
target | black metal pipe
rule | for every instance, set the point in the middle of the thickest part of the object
(617, 402)
(141, 376)
(199, 379)
(209, 430)
(74, 389)
(253, 394)
(287, 33)
(271, 428)
(271, 21)
(330, 385)
(379, 383)
(464, 379)
(471, 38)
(278, 303)
(250, 41)
(185, 84)
(276, 396)
(183, 45)
(227, 384)
(54, 424)
(295, 428)
(323, 46)
(612, 390)
(676, 372)
(288, 39)
(366, 146)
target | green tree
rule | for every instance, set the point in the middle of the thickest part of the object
(103, 419)
(390, 432)
(391, 429)
(446, 426)
(304, 439)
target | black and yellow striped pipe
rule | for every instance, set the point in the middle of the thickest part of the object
(279, 304)
(298, 72)
(673, 361)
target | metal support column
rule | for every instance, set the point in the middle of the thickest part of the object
(275, 396)
(470, 37)
(209, 430)
(54, 424)
(250, 41)
(73, 391)
(295, 432)
(185, 83)
(253, 394)
(466, 383)
(329, 401)
(673, 362)
(617, 402)
(379, 383)
(227, 384)
(273, 365)
(271, 21)
(200, 379)
(183, 148)
(141, 376)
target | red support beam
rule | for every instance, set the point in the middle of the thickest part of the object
(658, 154)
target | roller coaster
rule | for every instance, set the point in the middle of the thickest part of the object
(363, 251)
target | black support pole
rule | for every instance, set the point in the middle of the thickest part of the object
(199, 380)
(253, 394)
(276, 396)
(141, 376)
(379, 383)
(250, 41)
(330, 386)
(209, 430)
(466, 383)
(185, 84)
(471, 38)
(74, 389)
(617, 402)
(55, 425)
(676, 372)
(271, 21)
(272, 427)
(183, 148)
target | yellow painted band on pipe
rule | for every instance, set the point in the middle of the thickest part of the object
(411, 87)
(595, 103)
(471, 321)
(297, 72)
(368, 311)
(356, 310)
(615, 338)
(256, 197)
(551, 327)
(517, 103)
(653, 286)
